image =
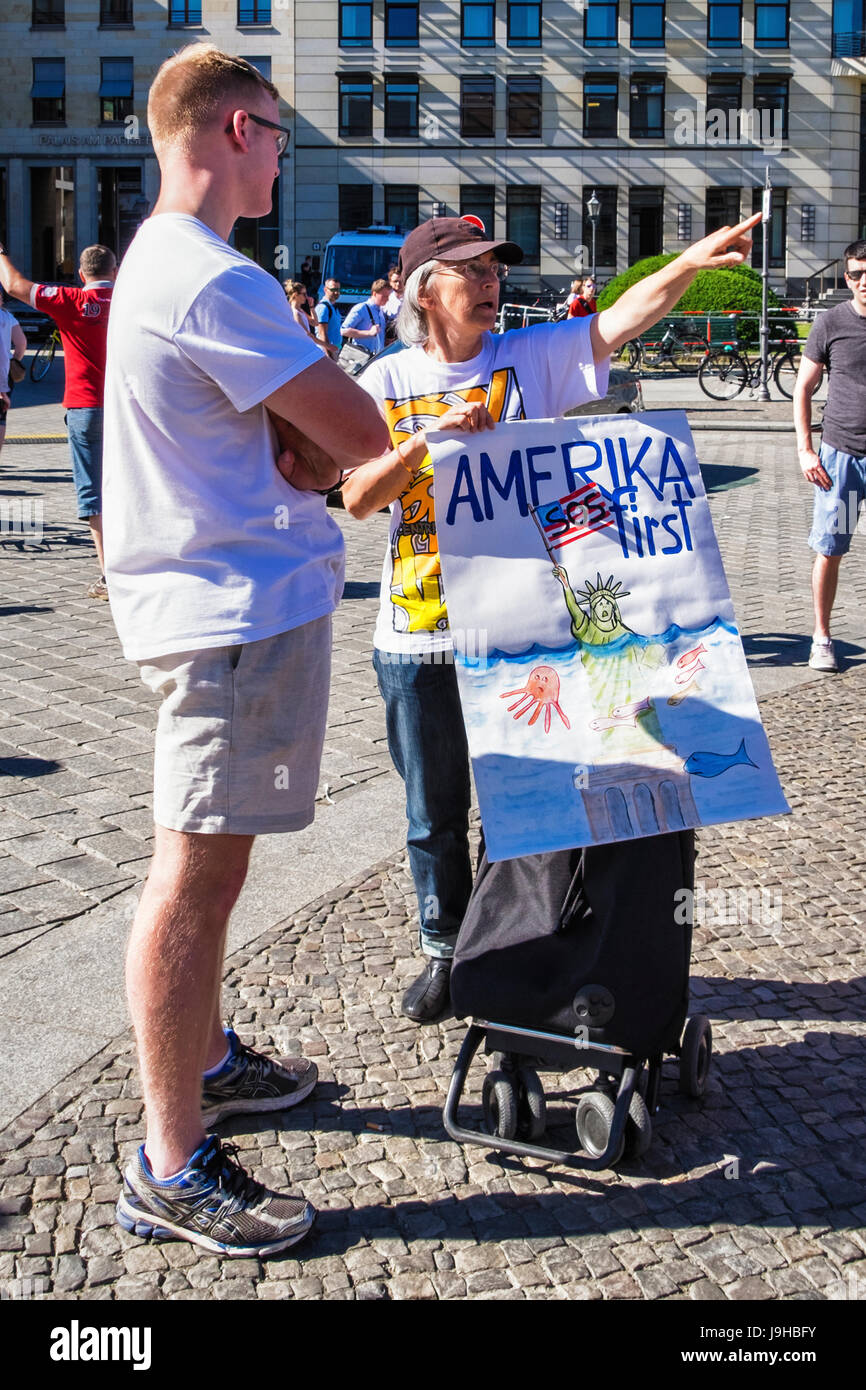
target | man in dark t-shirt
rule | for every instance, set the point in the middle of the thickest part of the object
(838, 342)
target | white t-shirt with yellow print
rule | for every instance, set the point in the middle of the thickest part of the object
(528, 374)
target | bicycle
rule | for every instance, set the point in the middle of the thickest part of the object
(44, 355)
(669, 350)
(726, 371)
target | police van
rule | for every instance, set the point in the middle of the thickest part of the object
(358, 258)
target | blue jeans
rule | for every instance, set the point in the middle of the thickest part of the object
(427, 742)
(84, 427)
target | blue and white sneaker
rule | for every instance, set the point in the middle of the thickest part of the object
(249, 1083)
(214, 1203)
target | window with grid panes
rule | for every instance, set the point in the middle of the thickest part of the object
(721, 209)
(523, 106)
(524, 25)
(771, 102)
(356, 104)
(115, 90)
(115, 13)
(523, 220)
(479, 200)
(254, 12)
(600, 23)
(48, 14)
(724, 24)
(647, 24)
(772, 20)
(725, 94)
(778, 229)
(600, 94)
(48, 92)
(401, 25)
(355, 206)
(647, 107)
(478, 23)
(477, 107)
(401, 205)
(356, 25)
(605, 229)
(401, 105)
(184, 12)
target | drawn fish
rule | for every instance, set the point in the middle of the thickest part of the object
(713, 764)
(691, 689)
(688, 657)
(633, 710)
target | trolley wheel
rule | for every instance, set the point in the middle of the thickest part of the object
(674, 354)
(723, 375)
(499, 1102)
(638, 1127)
(785, 375)
(593, 1120)
(43, 358)
(696, 1051)
(531, 1105)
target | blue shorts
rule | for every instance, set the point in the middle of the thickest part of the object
(84, 427)
(835, 513)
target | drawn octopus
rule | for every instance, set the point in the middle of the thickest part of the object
(542, 691)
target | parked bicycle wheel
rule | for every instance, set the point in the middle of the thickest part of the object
(42, 358)
(723, 375)
(631, 353)
(785, 374)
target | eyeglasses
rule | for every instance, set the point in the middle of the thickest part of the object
(333, 289)
(855, 275)
(480, 270)
(282, 137)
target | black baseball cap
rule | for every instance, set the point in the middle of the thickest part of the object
(451, 239)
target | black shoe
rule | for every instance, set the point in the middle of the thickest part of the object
(428, 997)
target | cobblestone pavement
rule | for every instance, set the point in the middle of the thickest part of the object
(405, 1213)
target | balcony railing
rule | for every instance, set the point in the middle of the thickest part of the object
(850, 45)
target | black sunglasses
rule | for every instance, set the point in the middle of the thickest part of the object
(270, 125)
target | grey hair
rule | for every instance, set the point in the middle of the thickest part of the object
(411, 322)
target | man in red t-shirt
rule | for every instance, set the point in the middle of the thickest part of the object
(82, 317)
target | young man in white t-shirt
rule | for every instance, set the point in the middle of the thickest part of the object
(223, 569)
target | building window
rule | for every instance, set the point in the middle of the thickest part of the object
(184, 12)
(477, 24)
(479, 200)
(724, 101)
(401, 26)
(262, 67)
(599, 104)
(115, 14)
(356, 104)
(523, 105)
(722, 209)
(645, 222)
(254, 12)
(849, 34)
(772, 20)
(524, 25)
(647, 24)
(356, 26)
(605, 228)
(115, 90)
(477, 107)
(356, 206)
(725, 24)
(401, 206)
(647, 108)
(523, 221)
(48, 14)
(401, 106)
(600, 21)
(771, 97)
(778, 229)
(48, 92)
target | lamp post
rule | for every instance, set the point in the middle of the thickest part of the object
(593, 208)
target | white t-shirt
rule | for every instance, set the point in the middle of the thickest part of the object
(528, 374)
(7, 324)
(206, 543)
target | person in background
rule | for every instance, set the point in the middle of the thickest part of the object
(305, 274)
(366, 322)
(82, 317)
(296, 294)
(13, 346)
(583, 303)
(393, 303)
(329, 320)
(837, 341)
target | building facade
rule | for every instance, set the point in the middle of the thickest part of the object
(669, 110)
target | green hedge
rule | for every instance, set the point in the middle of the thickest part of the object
(711, 291)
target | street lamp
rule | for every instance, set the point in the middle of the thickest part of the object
(593, 208)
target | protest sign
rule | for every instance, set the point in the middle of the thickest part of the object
(602, 678)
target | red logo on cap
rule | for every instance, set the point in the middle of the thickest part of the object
(475, 221)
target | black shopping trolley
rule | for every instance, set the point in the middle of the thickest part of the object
(579, 959)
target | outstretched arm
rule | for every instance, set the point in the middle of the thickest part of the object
(13, 282)
(579, 619)
(650, 299)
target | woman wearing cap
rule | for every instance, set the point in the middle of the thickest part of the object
(457, 374)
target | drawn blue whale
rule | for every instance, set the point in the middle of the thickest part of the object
(712, 764)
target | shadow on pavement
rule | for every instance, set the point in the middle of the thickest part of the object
(361, 589)
(719, 477)
(28, 767)
(12, 610)
(792, 649)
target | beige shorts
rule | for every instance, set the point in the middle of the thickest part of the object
(240, 733)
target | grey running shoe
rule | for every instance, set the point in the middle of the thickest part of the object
(250, 1082)
(822, 657)
(99, 589)
(213, 1203)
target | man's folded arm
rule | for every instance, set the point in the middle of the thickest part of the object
(332, 410)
